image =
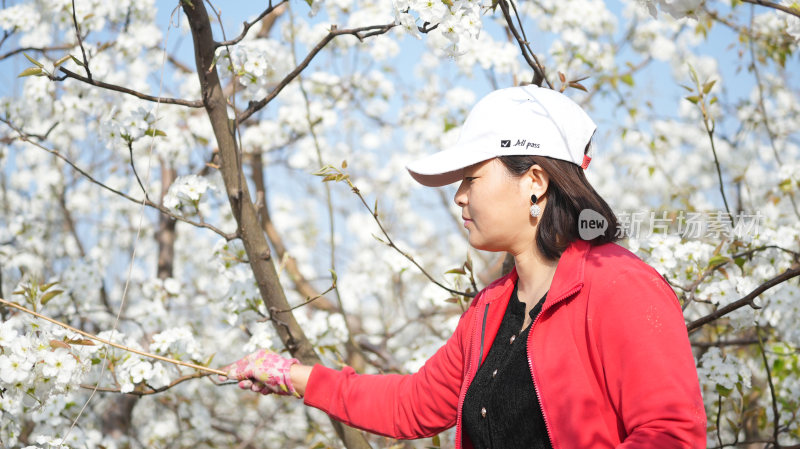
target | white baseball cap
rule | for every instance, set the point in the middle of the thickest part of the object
(525, 120)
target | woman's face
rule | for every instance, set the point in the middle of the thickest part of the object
(495, 206)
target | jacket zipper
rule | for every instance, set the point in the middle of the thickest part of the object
(463, 395)
(530, 365)
(483, 333)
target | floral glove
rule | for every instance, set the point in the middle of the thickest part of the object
(264, 372)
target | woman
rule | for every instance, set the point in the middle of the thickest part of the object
(581, 345)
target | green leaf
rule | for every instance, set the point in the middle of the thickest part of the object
(724, 392)
(718, 260)
(455, 271)
(50, 295)
(627, 79)
(152, 132)
(62, 60)
(334, 275)
(435, 441)
(344, 165)
(324, 170)
(331, 177)
(693, 98)
(310, 2)
(693, 74)
(707, 86)
(739, 261)
(452, 299)
(81, 341)
(449, 124)
(76, 60)
(35, 62)
(651, 170)
(30, 71)
(46, 287)
(210, 359)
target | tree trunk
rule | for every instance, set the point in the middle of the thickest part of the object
(166, 227)
(117, 416)
(243, 209)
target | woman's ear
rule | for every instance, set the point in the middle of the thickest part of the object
(537, 179)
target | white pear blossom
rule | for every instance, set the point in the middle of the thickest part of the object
(723, 370)
(186, 190)
(409, 24)
(141, 371)
(675, 8)
(14, 368)
(8, 333)
(58, 364)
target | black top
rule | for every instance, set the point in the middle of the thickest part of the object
(501, 409)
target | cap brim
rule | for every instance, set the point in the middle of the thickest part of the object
(445, 167)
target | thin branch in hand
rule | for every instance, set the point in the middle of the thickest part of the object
(151, 390)
(80, 43)
(125, 90)
(109, 343)
(248, 25)
(361, 33)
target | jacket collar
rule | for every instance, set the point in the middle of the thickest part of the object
(567, 280)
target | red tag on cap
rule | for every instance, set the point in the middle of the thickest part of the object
(586, 160)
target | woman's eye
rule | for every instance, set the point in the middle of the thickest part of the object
(470, 178)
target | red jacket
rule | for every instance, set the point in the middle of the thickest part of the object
(609, 356)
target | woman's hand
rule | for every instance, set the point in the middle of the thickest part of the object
(264, 372)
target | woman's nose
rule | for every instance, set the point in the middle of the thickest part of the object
(461, 196)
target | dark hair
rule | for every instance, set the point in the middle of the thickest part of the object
(568, 193)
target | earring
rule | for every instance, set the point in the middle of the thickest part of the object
(535, 209)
